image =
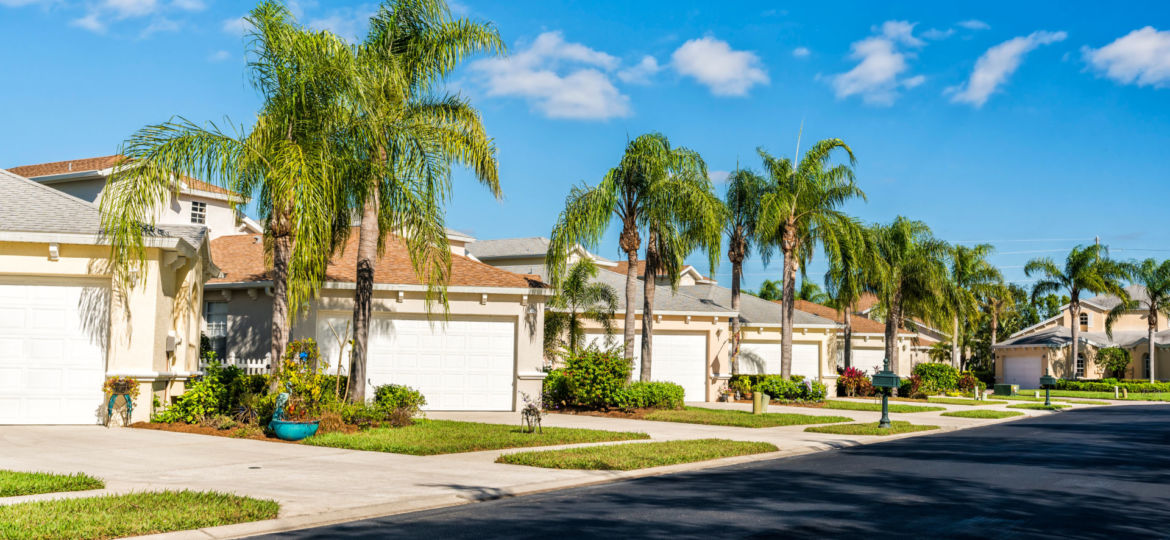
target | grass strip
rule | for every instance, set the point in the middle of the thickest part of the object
(14, 483)
(625, 457)
(870, 428)
(430, 437)
(894, 407)
(961, 401)
(729, 417)
(1133, 396)
(982, 413)
(1038, 406)
(115, 516)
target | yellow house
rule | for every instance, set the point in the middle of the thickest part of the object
(66, 324)
(1045, 347)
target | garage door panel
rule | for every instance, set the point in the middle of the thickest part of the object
(1024, 371)
(678, 358)
(869, 361)
(806, 360)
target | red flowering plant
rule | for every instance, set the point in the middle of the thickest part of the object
(854, 382)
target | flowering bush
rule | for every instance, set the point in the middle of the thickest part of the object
(121, 385)
(853, 382)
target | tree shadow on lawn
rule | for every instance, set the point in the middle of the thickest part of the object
(1049, 476)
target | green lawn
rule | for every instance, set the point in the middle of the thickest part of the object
(870, 428)
(894, 407)
(1024, 398)
(962, 401)
(727, 417)
(429, 437)
(13, 483)
(115, 516)
(1133, 396)
(624, 457)
(982, 413)
(1038, 406)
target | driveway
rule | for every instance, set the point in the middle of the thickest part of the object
(1094, 473)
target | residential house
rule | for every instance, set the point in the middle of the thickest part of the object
(66, 323)
(869, 340)
(483, 352)
(196, 202)
(1045, 347)
(914, 351)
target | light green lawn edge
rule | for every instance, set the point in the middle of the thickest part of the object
(630, 456)
(870, 428)
(894, 407)
(14, 483)
(982, 413)
(1038, 406)
(431, 437)
(736, 418)
(133, 514)
(1133, 396)
(963, 401)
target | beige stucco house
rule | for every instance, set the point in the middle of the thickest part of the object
(66, 324)
(869, 341)
(1025, 356)
(484, 353)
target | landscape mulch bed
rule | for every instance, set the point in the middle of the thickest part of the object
(179, 427)
(633, 414)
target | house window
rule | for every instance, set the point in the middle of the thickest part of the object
(1085, 321)
(1080, 365)
(198, 212)
(215, 317)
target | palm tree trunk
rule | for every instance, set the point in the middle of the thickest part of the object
(631, 294)
(282, 246)
(648, 285)
(788, 301)
(848, 356)
(955, 343)
(367, 255)
(994, 329)
(733, 357)
(893, 322)
(1153, 317)
(1075, 312)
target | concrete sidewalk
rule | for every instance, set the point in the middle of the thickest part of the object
(317, 486)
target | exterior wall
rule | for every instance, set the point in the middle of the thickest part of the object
(86, 190)
(909, 355)
(220, 220)
(136, 322)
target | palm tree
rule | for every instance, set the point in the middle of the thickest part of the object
(578, 298)
(971, 277)
(848, 279)
(769, 290)
(284, 157)
(909, 277)
(800, 209)
(1086, 269)
(809, 291)
(998, 300)
(1155, 278)
(401, 136)
(657, 189)
(742, 207)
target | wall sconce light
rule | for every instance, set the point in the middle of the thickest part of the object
(531, 309)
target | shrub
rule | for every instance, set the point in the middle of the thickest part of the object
(216, 392)
(368, 415)
(651, 395)
(910, 386)
(555, 392)
(937, 376)
(397, 396)
(791, 389)
(851, 381)
(968, 382)
(595, 378)
(1106, 385)
(1113, 360)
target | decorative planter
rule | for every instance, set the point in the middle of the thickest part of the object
(293, 431)
(123, 387)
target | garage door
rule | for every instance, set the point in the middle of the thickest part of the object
(869, 360)
(1024, 371)
(678, 358)
(462, 365)
(51, 370)
(764, 358)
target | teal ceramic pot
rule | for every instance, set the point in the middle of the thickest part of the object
(293, 431)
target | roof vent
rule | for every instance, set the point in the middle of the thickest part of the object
(70, 166)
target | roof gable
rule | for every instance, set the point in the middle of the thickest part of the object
(101, 166)
(32, 207)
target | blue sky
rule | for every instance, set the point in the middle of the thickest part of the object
(1035, 127)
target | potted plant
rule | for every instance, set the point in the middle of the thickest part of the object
(292, 420)
(127, 387)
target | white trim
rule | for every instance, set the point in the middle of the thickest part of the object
(143, 375)
(1039, 324)
(391, 287)
(531, 375)
(168, 242)
(770, 325)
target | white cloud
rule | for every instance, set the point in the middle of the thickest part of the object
(20, 3)
(235, 26)
(974, 24)
(997, 64)
(801, 52)
(219, 56)
(719, 176)
(934, 34)
(724, 71)
(189, 5)
(1140, 57)
(641, 72)
(130, 8)
(558, 78)
(881, 63)
(160, 24)
(90, 22)
(349, 23)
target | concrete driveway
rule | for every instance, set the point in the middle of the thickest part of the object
(317, 486)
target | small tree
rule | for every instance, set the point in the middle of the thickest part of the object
(1114, 360)
(579, 298)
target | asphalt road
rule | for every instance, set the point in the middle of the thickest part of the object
(1090, 473)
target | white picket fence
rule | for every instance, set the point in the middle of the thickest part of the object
(251, 366)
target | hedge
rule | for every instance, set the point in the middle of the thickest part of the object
(597, 379)
(1106, 385)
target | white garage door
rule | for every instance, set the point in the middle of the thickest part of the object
(764, 358)
(1024, 371)
(51, 370)
(678, 358)
(462, 365)
(869, 360)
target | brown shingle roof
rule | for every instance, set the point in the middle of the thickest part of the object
(623, 265)
(241, 258)
(861, 324)
(97, 164)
